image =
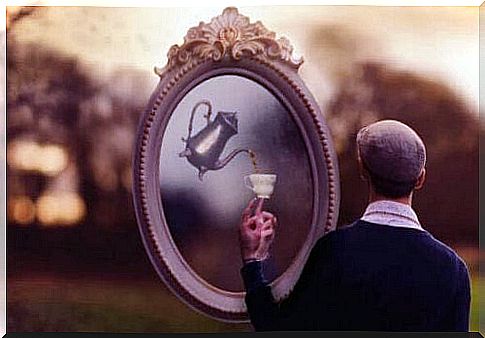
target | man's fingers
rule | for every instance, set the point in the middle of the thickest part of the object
(247, 212)
(267, 215)
(262, 219)
(267, 234)
(252, 222)
(250, 206)
(254, 219)
(258, 220)
(259, 208)
(267, 225)
(256, 223)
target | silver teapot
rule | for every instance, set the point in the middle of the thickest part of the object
(203, 149)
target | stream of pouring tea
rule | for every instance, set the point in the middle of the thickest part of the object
(252, 156)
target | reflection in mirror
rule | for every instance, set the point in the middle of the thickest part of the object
(203, 214)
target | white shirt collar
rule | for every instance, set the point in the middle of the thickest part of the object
(392, 214)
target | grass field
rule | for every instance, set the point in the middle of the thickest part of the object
(47, 304)
(82, 304)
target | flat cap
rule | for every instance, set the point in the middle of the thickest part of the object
(392, 151)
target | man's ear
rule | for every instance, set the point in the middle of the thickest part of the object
(421, 179)
(362, 172)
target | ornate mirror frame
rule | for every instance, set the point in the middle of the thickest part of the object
(228, 45)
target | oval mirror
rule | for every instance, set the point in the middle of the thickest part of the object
(228, 105)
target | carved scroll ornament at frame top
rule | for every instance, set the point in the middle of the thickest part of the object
(230, 35)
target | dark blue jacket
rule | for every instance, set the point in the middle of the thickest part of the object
(368, 277)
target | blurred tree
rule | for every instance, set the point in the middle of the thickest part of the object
(53, 98)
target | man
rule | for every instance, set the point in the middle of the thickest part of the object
(382, 273)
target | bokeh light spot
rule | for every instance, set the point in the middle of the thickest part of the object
(60, 209)
(21, 210)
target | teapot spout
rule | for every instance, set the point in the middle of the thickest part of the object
(222, 163)
(202, 171)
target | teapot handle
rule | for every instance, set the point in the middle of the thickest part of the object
(207, 115)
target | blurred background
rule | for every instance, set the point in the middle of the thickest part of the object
(78, 79)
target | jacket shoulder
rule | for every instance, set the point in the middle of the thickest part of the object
(451, 255)
(333, 237)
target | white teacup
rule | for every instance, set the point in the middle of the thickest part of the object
(261, 184)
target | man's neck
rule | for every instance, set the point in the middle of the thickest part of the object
(374, 197)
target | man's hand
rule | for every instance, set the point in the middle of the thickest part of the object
(256, 233)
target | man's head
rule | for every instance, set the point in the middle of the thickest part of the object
(392, 156)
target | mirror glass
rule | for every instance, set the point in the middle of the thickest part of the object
(203, 216)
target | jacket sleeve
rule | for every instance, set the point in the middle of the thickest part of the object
(307, 303)
(458, 315)
(461, 315)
